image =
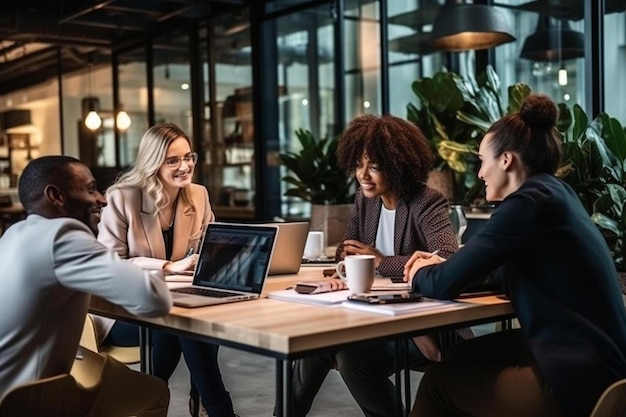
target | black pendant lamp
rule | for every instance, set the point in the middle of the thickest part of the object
(552, 43)
(462, 27)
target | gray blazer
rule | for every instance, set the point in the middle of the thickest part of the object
(50, 266)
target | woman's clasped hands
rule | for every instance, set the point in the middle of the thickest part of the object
(419, 260)
(182, 265)
(354, 247)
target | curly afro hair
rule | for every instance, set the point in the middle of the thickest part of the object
(396, 145)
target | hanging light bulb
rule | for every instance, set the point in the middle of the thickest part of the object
(122, 120)
(93, 120)
(562, 76)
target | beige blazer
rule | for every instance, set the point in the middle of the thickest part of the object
(130, 225)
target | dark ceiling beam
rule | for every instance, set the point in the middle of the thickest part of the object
(18, 65)
(85, 11)
(7, 50)
(154, 13)
(113, 22)
(34, 27)
(174, 13)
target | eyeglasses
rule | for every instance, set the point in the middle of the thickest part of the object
(174, 162)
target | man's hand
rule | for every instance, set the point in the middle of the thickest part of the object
(419, 260)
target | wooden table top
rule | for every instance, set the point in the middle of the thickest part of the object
(282, 328)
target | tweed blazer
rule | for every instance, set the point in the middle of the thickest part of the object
(131, 227)
(421, 223)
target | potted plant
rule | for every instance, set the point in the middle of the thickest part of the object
(594, 165)
(314, 176)
(454, 114)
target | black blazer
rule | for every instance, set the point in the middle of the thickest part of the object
(422, 223)
(563, 283)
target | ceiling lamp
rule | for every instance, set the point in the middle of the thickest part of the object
(122, 120)
(93, 120)
(553, 42)
(462, 27)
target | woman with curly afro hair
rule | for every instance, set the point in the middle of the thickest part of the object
(395, 213)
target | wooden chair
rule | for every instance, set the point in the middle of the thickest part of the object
(56, 396)
(612, 402)
(89, 339)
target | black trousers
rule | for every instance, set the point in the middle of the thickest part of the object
(489, 376)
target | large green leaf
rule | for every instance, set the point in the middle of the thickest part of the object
(313, 171)
(517, 94)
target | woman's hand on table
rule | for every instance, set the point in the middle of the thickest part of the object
(182, 265)
(419, 260)
(354, 247)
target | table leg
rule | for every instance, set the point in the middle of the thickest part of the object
(287, 388)
(145, 351)
(398, 376)
(403, 364)
(284, 382)
(407, 376)
(279, 387)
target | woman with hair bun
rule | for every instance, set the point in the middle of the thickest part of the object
(560, 276)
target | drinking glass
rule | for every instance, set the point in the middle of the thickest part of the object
(459, 222)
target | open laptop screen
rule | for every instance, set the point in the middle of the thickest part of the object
(235, 257)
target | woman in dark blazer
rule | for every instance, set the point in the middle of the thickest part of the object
(394, 214)
(562, 281)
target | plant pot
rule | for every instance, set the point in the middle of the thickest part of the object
(332, 220)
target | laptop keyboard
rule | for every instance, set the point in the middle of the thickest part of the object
(205, 292)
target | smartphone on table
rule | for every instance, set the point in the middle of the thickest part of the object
(405, 297)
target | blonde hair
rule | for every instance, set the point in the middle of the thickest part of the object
(150, 157)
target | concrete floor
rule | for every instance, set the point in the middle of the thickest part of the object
(250, 380)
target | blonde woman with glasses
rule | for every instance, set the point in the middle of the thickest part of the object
(155, 217)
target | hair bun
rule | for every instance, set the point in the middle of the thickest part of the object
(539, 111)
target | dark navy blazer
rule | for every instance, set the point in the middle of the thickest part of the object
(563, 283)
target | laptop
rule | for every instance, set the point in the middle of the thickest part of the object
(233, 264)
(290, 242)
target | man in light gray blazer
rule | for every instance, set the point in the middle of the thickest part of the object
(51, 263)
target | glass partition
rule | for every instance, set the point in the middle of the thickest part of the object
(362, 58)
(229, 137)
(306, 80)
(172, 82)
(614, 62)
(542, 55)
(133, 96)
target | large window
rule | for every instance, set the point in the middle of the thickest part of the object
(306, 83)
(228, 122)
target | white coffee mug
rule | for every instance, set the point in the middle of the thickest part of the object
(359, 272)
(314, 246)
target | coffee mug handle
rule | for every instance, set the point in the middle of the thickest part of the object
(338, 268)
